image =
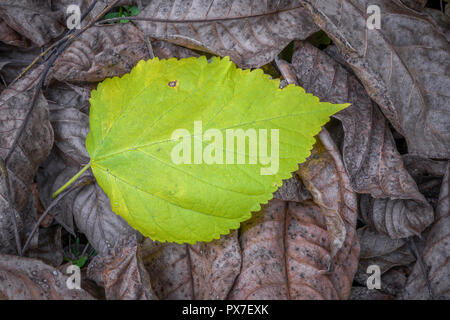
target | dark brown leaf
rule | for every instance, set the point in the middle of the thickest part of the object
(251, 32)
(436, 255)
(286, 254)
(369, 153)
(379, 249)
(30, 279)
(33, 19)
(200, 271)
(22, 150)
(101, 52)
(403, 65)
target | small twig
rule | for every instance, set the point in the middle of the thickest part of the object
(149, 47)
(51, 206)
(11, 208)
(413, 248)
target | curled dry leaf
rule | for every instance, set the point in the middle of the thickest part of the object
(370, 157)
(393, 281)
(21, 150)
(436, 254)
(379, 249)
(124, 274)
(25, 279)
(205, 270)
(71, 127)
(252, 33)
(101, 52)
(325, 177)
(286, 254)
(403, 65)
(32, 19)
(428, 175)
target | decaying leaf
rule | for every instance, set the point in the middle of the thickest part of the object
(286, 254)
(101, 52)
(403, 65)
(124, 274)
(25, 279)
(33, 19)
(10, 36)
(251, 32)
(436, 254)
(370, 157)
(325, 177)
(379, 249)
(201, 271)
(22, 151)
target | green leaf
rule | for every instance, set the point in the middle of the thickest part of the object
(130, 143)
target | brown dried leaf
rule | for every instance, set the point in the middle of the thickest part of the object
(371, 159)
(101, 52)
(33, 19)
(251, 32)
(379, 249)
(23, 152)
(124, 274)
(325, 177)
(436, 255)
(25, 279)
(286, 254)
(203, 271)
(9, 36)
(403, 65)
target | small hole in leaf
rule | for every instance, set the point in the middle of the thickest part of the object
(173, 83)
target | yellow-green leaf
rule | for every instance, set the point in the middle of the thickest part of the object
(132, 144)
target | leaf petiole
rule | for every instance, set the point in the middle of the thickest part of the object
(72, 180)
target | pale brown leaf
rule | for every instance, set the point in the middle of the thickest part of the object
(124, 274)
(251, 32)
(286, 254)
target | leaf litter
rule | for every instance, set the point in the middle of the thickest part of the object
(374, 190)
